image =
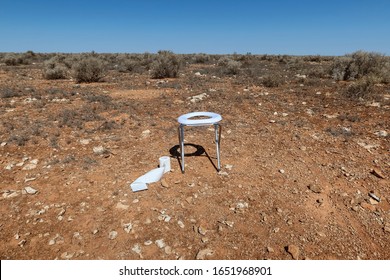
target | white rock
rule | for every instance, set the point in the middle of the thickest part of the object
(85, 141)
(381, 133)
(31, 165)
(181, 224)
(99, 150)
(113, 234)
(9, 166)
(30, 190)
(146, 133)
(228, 166)
(136, 249)
(10, 194)
(128, 227)
(160, 243)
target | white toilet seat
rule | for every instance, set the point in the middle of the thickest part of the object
(186, 119)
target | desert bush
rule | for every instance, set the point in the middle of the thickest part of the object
(165, 65)
(55, 68)
(130, 65)
(361, 64)
(89, 69)
(363, 88)
(201, 58)
(8, 93)
(272, 81)
(14, 59)
(11, 59)
(229, 66)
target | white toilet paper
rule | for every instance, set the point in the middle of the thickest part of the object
(166, 163)
(152, 176)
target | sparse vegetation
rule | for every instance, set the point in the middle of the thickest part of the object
(55, 68)
(89, 69)
(361, 64)
(165, 65)
(272, 81)
(294, 140)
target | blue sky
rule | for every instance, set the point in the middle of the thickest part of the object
(328, 27)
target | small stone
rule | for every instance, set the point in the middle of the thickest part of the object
(376, 172)
(9, 166)
(270, 249)
(202, 230)
(112, 235)
(228, 166)
(146, 133)
(3, 144)
(164, 183)
(99, 150)
(128, 227)
(181, 224)
(85, 141)
(382, 133)
(367, 206)
(136, 249)
(62, 212)
(67, 256)
(30, 190)
(168, 250)
(189, 199)
(22, 242)
(10, 194)
(95, 231)
(282, 171)
(31, 165)
(321, 234)
(121, 206)
(294, 251)
(373, 201)
(148, 242)
(160, 243)
(315, 188)
(202, 254)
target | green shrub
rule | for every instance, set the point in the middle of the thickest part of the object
(55, 68)
(89, 69)
(363, 88)
(201, 58)
(229, 66)
(165, 65)
(11, 59)
(361, 64)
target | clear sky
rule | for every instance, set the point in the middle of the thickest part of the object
(325, 27)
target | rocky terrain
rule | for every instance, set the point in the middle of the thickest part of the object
(305, 169)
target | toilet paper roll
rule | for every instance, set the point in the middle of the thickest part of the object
(165, 162)
(152, 176)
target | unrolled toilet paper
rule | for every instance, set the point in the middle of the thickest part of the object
(152, 176)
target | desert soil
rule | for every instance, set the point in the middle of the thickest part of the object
(305, 170)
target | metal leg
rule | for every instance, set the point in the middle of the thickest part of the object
(218, 129)
(181, 141)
